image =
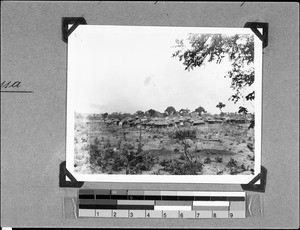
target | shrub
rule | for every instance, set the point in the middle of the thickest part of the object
(232, 163)
(182, 134)
(233, 171)
(219, 159)
(164, 162)
(135, 160)
(207, 160)
(95, 151)
(243, 167)
(176, 150)
(177, 167)
(220, 172)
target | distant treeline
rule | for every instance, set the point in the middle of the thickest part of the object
(170, 111)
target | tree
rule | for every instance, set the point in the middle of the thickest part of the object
(184, 112)
(243, 111)
(104, 115)
(170, 110)
(139, 113)
(200, 110)
(220, 106)
(239, 49)
(151, 112)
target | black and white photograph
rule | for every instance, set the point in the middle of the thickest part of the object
(164, 104)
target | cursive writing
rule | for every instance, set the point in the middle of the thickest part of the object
(10, 84)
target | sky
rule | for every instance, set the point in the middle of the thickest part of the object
(125, 69)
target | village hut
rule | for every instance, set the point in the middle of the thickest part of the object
(197, 122)
(136, 123)
(181, 120)
(235, 120)
(160, 124)
(124, 123)
(108, 121)
(115, 121)
(210, 120)
(170, 123)
(150, 123)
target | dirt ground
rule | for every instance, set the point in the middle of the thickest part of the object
(215, 146)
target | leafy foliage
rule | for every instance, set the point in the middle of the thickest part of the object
(207, 160)
(232, 163)
(239, 49)
(151, 112)
(139, 113)
(170, 110)
(220, 106)
(134, 161)
(243, 110)
(119, 116)
(219, 159)
(200, 110)
(181, 167)
(184, 112)
(104, 115)
(182, 134)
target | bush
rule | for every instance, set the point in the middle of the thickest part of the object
(176, 150)
(207, 160)
(232, 163)
(233, 171)
(164, 162)
(220, 172)
(182, 134)
(95, 151)
(219, 159)
(126, 156)
(243, 167)
(135, 161)
(178, 167)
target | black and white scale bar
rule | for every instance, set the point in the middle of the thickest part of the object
(161, 204)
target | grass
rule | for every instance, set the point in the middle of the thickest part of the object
(175, 151)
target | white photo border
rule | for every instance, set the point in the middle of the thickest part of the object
(176, 179)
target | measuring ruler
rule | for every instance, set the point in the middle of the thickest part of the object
(120, 203)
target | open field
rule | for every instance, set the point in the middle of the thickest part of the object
(206, 149)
